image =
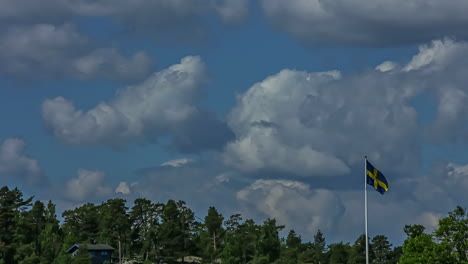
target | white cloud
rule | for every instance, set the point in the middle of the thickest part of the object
(387, 214)
(46, 50)
(368, 22)
(165, 13)
(159, 105)
(420, 199)
(262, 149)
(314, 124)
(223, 177)
(107, 62)
(123, 188)
(177, 162)
(232, 11)
(322, 123)
(87, 186)
(16, 165)
(429, 219)
(24, 11)
(200, 184)
(293, 204)
(454, 182)
(435, 54)
(386, 66)
(441, 67)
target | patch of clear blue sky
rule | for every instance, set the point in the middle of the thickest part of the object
(237, 57)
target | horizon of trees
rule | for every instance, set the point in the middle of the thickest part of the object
(150, 232)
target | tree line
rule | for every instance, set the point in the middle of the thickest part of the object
(170, 232)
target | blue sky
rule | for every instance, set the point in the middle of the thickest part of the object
(262, 107)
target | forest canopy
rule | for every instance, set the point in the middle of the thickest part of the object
(150, 232)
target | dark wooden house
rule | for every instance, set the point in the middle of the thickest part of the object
(99, 252)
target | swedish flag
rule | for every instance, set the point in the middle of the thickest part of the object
(376, 178)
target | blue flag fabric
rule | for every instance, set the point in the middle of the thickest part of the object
(376, 179)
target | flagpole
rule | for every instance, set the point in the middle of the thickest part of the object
(365, 207)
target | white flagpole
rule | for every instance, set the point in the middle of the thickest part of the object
(365, 207)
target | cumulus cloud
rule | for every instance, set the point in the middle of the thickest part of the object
(261, 148)
(232, 11)
(200, 183)
(420, 199)
(323, 123)
(387, 214)
(293, 204)
(458, 175)
(386, 66)
(314, 124)
(177, 162)
(441, 67)
(30, 11)
(164, 104)
(46, 50)
(162, 13)
(16, 166)
(435, 56)
(123, 188)
(109, 63)
(448, 180)
(87, 186)
(368, 22)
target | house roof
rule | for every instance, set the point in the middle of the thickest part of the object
(73, 248)
(99, 247)
(90, 247)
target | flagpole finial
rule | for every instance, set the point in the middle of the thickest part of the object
(365, 157)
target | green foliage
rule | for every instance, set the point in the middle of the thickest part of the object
(382, 250)
(453, 232)
(269, 243)
(338, 253)
(293, 240)
(413, 230)
(82, 257)
(49, 239)
(114, 224)
(176, 231)
(152, 232)
(358, 251)
(240, 240)
(145, 220)
(448, 243)
(291, 248)
(82, 223)
(12, 205)
(315, 252)
(397, 252)
(422, 250)
(261, 260)
(211, 238)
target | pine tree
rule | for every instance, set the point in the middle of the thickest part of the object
(114, 224)
(382, 250)
(269, 243)
(50, 237)
(338, 253)
(291, 248)
(215, 231)
(145, 220)
(11, 205)
(358, 251)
